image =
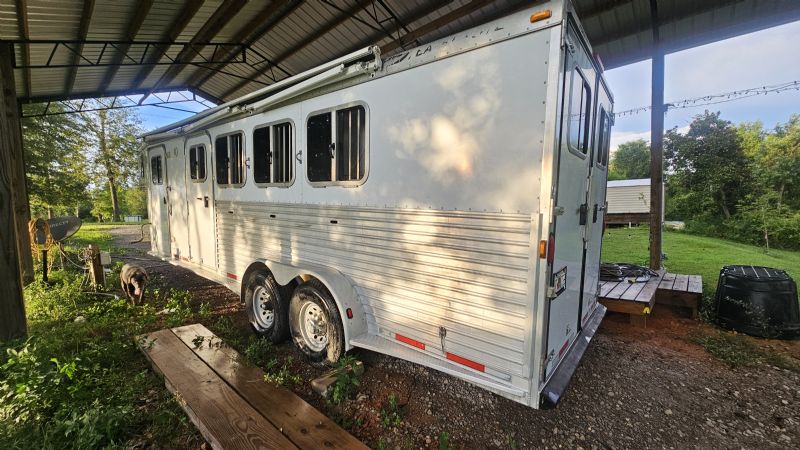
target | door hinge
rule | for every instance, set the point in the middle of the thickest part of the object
(558, 211)
(551, 292)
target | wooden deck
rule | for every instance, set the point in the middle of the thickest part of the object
(637, 299)
(229, 402)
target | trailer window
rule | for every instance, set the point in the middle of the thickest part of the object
(156, 171)
(579, 108)
(197, 162)
(603, 138)
(272, 154)
(350, 147)
(229, 156)
(337, 146)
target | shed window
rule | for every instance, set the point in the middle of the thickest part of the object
(580, 106)
(272, 154)
(603, 138)
(337, 145)
(197, 162)
(156, 171)
(229, 155)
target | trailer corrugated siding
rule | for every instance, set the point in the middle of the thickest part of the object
(415, 270)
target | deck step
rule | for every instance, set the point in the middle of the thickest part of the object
(229, 402)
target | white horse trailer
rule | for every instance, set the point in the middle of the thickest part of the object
(443, 205)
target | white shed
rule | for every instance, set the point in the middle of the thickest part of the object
(628, 201)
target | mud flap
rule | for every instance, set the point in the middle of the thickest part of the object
(555, 388)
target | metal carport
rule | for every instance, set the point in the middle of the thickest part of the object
(55, 50)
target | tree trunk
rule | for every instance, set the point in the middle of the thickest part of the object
(112, 186)
(724, 204)
(780, 195)
(49, 213)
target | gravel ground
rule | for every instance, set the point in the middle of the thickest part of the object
(635, 388)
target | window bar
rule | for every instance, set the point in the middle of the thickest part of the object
(350, 144)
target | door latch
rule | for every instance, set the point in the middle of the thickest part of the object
(205, 201)
(584, 211)
(594, 214)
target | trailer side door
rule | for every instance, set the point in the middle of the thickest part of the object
(200, 200)
(571, 211)
(159, 210)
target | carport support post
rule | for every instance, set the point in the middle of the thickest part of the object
(12, 305)
(656, 143)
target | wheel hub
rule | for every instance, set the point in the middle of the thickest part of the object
(314, 326)
(263, 309)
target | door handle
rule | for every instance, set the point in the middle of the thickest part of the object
(205, 201)
(584, 211)
(594, 214)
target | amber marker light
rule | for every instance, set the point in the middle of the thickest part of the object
(541, 15)
(542, 249)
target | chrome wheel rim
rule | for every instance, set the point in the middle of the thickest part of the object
(314, 326)
(263, 310)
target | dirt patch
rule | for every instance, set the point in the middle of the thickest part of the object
(635, 388)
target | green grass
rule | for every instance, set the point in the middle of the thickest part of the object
(694, 255)
(92, 233)
(736, 350)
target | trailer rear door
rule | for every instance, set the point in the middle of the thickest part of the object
(571, 213)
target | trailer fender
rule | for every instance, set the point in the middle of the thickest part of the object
(340, 287)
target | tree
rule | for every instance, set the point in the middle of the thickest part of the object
(708, 169)
(632, 160)
(55, 161)
(115, 153)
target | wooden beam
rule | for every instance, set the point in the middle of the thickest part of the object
(170, 34)
(656, 141)
(24, 33)
(12, 305)
(316, 34)
(260, 25)
(142, 9)
(83, 31)
(223, 14)
(435, 24)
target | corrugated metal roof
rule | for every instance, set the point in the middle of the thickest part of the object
(626, 183)
(307, 33)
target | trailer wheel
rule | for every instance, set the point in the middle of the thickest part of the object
(316, 324)
(267, 307)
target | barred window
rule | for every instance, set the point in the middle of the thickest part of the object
(272, 154)
(197, 163)
(337, 146)
(156, 171)
(229, 155)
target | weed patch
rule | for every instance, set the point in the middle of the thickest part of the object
(735, 351)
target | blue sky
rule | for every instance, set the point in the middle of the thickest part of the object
(762, 58)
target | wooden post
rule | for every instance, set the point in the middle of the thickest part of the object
(656, 143)
(12, 305)
(96, 274)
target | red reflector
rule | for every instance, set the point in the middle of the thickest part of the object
(232, 276)
(471, 364)
(349, 313)
(409, 341)
(551, 248)
(185, 258)
(563, 348)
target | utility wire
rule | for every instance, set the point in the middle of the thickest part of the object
(716, 99)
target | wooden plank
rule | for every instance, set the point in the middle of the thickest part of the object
(695, 284)
(633, 291)
(619, 290)
(305, 426)
(681, 283)
(606, 287)
(667, 281)
(648, 294)
(624, 306)
(224, 419)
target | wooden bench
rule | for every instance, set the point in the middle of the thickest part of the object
(229, 401)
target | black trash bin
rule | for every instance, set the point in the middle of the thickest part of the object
(759, 301)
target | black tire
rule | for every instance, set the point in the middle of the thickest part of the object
(321, 346)
(274, 326)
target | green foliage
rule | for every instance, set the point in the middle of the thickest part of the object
(82, 384)
(391, 416)
(444, 441)
(258, 351)
(631, 161)
(737, 351)
(281, 374)
(348, 379)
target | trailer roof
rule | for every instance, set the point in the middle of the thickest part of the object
(223, 49)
